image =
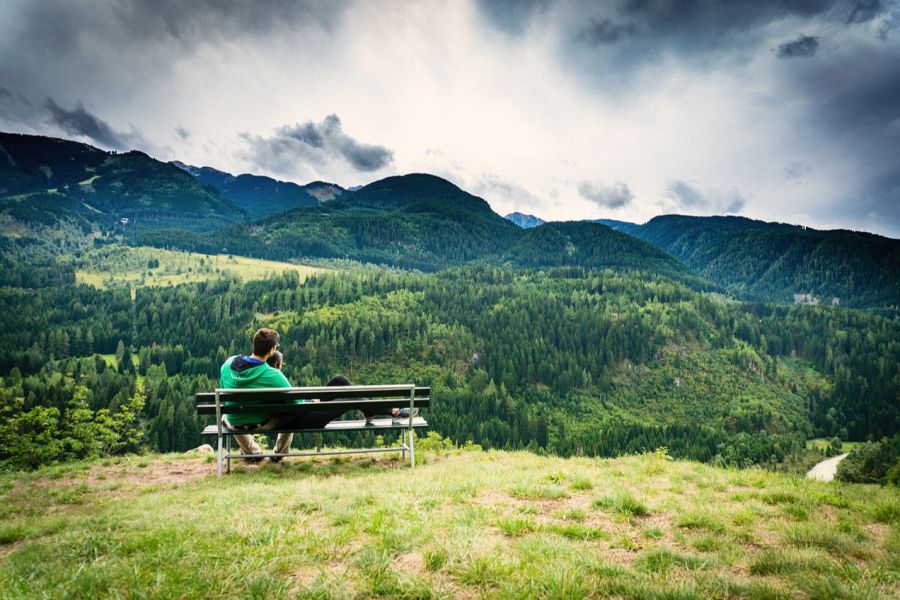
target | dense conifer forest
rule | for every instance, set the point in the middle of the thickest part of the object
(566, 360)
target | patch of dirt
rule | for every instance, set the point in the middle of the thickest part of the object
(879, 531)
(155, 473)
(7, 549)
(410, 563)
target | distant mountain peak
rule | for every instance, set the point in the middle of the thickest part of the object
(419, 192)
(523, 220)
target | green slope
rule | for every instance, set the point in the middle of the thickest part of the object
(772, 261)
(48, 186)
(590, 245)
(417, 221)
(425, 222)
(260, 196)
(464, 525)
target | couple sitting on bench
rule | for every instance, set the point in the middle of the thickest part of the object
(262, 369)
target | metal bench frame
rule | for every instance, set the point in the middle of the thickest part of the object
(399, 392)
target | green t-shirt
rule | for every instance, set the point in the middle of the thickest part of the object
(250, 373)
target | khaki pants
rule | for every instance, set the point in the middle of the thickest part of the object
(249, 446)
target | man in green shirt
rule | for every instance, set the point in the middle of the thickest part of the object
(253, 372)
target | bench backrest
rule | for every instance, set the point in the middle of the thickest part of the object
(370, 398)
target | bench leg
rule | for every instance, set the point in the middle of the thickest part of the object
(228, 451)
(412, 450)
(219, 459)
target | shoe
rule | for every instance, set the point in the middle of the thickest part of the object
(251, 459)
(276, 459)
(403, 415)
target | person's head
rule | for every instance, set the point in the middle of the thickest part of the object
(276, 360)
(265, 341)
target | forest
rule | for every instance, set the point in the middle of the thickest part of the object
(564, 360)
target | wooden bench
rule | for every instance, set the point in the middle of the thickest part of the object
(373, 399)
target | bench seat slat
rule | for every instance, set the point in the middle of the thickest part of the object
(330, 392)
(281, 408)
(355, 425)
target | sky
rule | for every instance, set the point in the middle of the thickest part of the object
(627, 109)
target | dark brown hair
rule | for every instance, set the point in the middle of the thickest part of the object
(264, 340)
(276, 360)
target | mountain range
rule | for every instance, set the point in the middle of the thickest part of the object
(524, 221)
(53, 191)
(757, 260)
(259, 195)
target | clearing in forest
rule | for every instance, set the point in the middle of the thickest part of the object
(117, 266)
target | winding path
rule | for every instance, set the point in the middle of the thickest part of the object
(826, 470)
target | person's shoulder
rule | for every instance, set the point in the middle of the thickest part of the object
(228, 361)
(276, 376)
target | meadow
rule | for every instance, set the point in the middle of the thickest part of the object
(116, 266)
(465, 524)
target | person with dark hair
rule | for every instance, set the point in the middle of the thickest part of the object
(253, 371)
(276, 361)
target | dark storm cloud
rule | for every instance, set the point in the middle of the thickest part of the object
(317, 144)
(862, 117)
(692, 199)
(58, 24)
(75, 48)
(864, 11)
(81, 122)
(803, 47)
(645, 29)
(605, 31)
(512, 16)
(603, 195)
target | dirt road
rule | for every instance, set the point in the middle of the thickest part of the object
(826, 470)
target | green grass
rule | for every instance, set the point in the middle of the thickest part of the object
(825, 443)
(466, 524)
(117, 266)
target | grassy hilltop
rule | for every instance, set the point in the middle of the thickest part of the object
(466, 524)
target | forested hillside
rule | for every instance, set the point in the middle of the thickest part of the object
(424, 222)
(259, 196)
(772, 262)
(47, 183)
(569, 360)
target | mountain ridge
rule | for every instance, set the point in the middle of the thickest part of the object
(760, 260)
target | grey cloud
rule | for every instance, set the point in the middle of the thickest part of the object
(605, 31)
(803, 47)
(316, 144)
(889, 24)
(512, 16)
(58, 24)
(604, 195)
(862, 115)
(182, 133)
(5, 92)
(81, 122)
(864, 11)
(102, 52)
(492, 186)
(689, 27)
(685, 195)
(796, 171)
(690, 197)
